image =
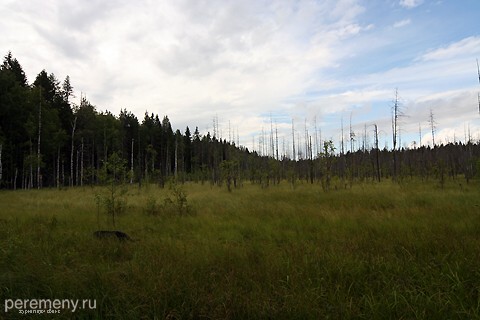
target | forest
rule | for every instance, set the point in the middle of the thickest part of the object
(47, 140)
(363, 233)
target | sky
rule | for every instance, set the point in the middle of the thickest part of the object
(257, 66)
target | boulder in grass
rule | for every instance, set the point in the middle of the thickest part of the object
(115, 234)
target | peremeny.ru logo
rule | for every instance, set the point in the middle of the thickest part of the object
(40, 306)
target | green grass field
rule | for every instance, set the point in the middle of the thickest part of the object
(376, 251)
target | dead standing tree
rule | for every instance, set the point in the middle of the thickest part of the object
(432, 122)
(377, 151)
(74, 125)
(1, 167)
(478, 70)
(396, 114)
(39, 179)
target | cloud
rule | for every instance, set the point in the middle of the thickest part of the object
(442, 105)
(466, 47)
(240, 60)
(409, 4)
(402, 23)
(186, 59)
(446, 84)
(439, 69)
(171, 57)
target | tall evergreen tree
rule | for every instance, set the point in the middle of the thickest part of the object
(12, 64)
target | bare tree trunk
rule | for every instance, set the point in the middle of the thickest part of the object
(420, 134)
(24, 181)
(342, 149)
(293, 140)
(76, 170)
(38, 145)
(15, 179)
(377, 153)
(306, 140)
(81, 164)
(105, 151)
(432, 126)
(131, 164)
(272, 143)
(176, 157)
(299, 156)
(316, 135)
(276, 140)
(72, 151)
(93, 163)
(238, 139)
(139, 160)
(395, 114)
(1, 166)
(364, 139)
(478, 70)
(229, 133)
(54, 172)
(311, 160)
(30, 183)
(352, 135)
(343, 162)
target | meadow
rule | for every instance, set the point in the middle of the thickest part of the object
(408, 250)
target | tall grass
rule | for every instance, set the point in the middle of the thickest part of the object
(374, 251)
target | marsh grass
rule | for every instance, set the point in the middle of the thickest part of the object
(375, 251)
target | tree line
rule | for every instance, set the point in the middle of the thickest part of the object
(46, 140)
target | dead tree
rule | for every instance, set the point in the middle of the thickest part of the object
(420, 134)
(74, 125)
(1, 167)
(352, 135)
(342, 149)
(395, 116)
(478, 70)
(293, 140)
(272, 143)
(276, 141)
(38, 142)
(432, 127)
(131, 164)
(377, 152)
(81, 163)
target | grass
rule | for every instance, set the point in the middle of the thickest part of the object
(375, 251)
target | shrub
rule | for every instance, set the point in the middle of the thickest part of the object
(174, 204)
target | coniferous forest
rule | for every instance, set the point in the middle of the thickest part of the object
(47, 140)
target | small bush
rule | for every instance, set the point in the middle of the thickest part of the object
(151, 206)
(175, 203)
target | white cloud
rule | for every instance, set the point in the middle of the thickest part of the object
(410, 3)
(402, 23)
(241, 60)
(217, 59)
(466, 47)
(453, 111)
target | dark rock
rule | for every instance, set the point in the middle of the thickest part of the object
(115, 234)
